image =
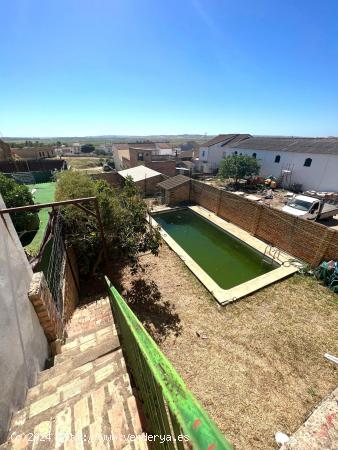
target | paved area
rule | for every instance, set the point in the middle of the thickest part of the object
(85, 401)
(320, 430)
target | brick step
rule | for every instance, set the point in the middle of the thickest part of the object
(48, 405)
(103, 329)
(84, 342)
(81, 358)
(53, 383)
(101, 412)
(90, 317)
(91, 328)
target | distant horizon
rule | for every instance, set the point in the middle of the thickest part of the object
(161, 135)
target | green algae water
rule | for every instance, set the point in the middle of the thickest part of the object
(225, 259)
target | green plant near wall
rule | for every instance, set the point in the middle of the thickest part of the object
(238, 167)
(123, 214)
(14, 195)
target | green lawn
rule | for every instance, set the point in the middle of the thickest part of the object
(44, 194)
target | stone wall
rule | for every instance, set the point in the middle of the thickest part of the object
(309, 241)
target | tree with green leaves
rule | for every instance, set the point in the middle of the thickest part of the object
(15, 194)
(123, 214)
(238, 167)
(87, 148)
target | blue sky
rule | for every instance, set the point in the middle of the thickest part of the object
(84, 67)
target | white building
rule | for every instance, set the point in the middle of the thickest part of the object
(69, 150)
(309, 162)
(212, 152)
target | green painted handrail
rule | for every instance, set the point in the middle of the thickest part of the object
(159, 381)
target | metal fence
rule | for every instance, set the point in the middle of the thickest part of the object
(57, 258)
(169, 407)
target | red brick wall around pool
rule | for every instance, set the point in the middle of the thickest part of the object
(312, 242)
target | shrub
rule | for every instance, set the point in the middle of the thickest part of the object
(15, 194)
(238, 166)
(123, 214)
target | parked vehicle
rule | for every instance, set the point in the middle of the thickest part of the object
(310, 208)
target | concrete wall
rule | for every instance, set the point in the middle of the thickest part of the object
(23, 345)
(320, 176)
(210, 157)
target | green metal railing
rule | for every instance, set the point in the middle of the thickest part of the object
(170, 409)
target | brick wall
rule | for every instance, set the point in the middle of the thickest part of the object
(166, 167)
(178, 195)
(149, 186)
(309, 241)
(42, 300)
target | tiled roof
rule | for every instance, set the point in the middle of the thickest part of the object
(173, 182)
(226, 139)
(325, 146)
(163, 145)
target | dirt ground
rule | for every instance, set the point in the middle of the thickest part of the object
(255, 365)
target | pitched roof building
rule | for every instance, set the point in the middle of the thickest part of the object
(310, 163)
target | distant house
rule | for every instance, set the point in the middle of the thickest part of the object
(156, 156)
(145, 178)
(213, 151)
(69, 150)
(33, 152)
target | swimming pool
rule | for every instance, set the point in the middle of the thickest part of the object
(225, 263)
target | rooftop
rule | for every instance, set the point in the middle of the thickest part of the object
(226, 139)
(326, 146)
(139, 173)
(173, 182)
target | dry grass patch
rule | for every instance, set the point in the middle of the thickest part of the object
(257, 365)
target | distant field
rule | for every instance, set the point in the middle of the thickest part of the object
(44, 194)
(80, 163)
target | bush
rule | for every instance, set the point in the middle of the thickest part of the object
(15, 194)
(237, 167)
(123, 213)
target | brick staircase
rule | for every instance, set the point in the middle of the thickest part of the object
(85, 400)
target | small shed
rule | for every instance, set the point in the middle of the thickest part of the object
(175, 190)
(146, 179)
